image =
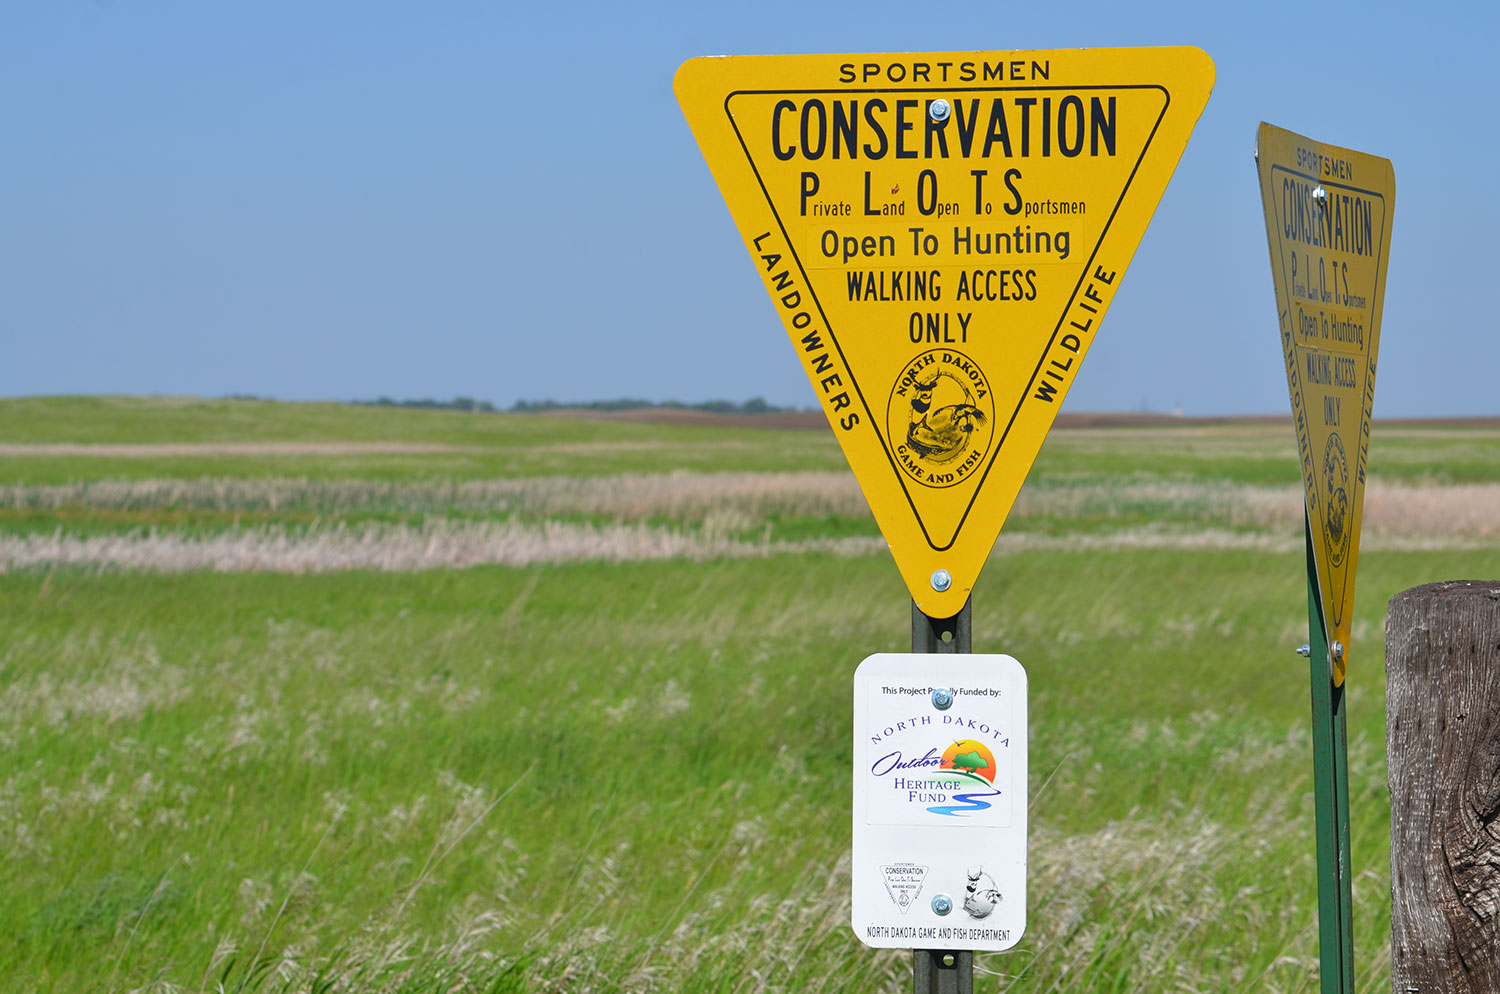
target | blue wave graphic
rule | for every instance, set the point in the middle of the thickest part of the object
(972, 803)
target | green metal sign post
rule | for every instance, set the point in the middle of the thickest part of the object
(940, 971)
(1331, 799)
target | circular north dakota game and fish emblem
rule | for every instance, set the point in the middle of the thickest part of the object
(1336, 499)
(941, 418)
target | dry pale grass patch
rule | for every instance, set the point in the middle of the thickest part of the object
(631, 496)
(1469, 511)
(440, 545)
(723, 507)
(459, 545)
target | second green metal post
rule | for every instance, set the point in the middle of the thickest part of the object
(1331, 798)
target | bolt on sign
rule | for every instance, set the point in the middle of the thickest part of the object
(1328, 220)
(939, 801)
(941, 234)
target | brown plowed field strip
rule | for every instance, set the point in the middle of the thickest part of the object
(1065, 419)
(167, 449)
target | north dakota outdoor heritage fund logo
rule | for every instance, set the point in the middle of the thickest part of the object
(941, 418)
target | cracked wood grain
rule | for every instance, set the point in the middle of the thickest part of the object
(1443, 745)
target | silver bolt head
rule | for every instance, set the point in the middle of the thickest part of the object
(1338, 650)
(939, 109)
(942, 904)
(941, 580)
(942, 698)
(1320, 196)
(1305, 649)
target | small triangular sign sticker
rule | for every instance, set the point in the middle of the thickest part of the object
(941, 234)
(1328, 220)
(903, 881)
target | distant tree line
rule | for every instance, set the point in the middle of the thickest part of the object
(755, 405)
(456, 404)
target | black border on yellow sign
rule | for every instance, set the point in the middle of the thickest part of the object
(1067, 307)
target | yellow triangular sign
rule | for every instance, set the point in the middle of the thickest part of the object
(941, 234)
(1328, 221)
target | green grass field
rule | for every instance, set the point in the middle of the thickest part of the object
(622, 764)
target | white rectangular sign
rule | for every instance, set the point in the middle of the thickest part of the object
(939, 801)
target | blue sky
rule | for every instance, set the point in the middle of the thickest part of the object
(339, 200)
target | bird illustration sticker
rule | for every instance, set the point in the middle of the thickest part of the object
(941, 417)
(980, 894)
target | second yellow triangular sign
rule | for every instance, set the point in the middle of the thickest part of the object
(1328, 221)
(941, 234)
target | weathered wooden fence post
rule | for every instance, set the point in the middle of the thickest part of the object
(1443, 744)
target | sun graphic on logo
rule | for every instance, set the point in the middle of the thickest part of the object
(970, 757)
